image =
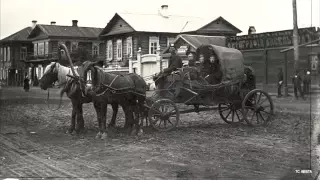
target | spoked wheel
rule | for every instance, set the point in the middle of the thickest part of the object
(164, 115)
(257, 107)
(230, 112)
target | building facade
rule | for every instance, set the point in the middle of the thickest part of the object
(13, 52)
(126, 33)
(82, 43)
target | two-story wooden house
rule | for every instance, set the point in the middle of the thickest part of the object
(127, 32)
(45, 40)
(13, 52)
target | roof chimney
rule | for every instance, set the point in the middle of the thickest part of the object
(75, 23)
(53, 23)
(252, 30)
(164, 11)
(34, 23)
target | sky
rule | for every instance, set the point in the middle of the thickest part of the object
(265, 15)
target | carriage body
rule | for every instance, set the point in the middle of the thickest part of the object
(187, 82)
(235, 90)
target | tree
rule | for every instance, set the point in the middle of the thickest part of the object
(295, 36)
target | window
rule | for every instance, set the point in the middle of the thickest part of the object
(46, 48)
(95, 49)
(1, 55)
(35, 49)
(170, 40)
(8, 54)
(153, 44)
(74, 46)
(68, 44)
(129, 46)
(23, 53)
(5, 74)
(5, 54)
(109, 50)
(119, 49)
(1, 72)
(41, 48)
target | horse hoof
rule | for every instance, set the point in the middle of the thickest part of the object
(69, 131)
(98, 136)
(104, 136)
(140, 132)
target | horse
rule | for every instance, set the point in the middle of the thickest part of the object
(127, 90)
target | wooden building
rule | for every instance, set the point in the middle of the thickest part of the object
(45, 40)
(13, 52)
(126, 33)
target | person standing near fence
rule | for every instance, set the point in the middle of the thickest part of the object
(280, 82)
(296, 81)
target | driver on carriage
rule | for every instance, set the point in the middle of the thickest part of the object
(175, 62)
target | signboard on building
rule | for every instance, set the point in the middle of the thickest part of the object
(271, 39)
(182, 50)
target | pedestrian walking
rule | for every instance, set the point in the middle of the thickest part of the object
(26, 86)
(296, 81)
(306, 81)
(280, 82)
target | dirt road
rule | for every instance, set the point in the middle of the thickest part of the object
(33, 144)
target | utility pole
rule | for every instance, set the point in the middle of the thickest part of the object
(295, 35)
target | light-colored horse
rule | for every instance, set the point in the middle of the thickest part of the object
(56, 72)
(75, 91)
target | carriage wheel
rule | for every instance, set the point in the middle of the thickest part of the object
(230, 112)
(257, 107)
(164, 115)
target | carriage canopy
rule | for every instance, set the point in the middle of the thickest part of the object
(231, 60)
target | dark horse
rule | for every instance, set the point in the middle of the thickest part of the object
(128, 90)
(68, 79)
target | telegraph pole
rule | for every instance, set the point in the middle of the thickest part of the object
(295, 36)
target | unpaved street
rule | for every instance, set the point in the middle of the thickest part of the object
(33, 144)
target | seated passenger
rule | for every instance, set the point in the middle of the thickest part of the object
(212, 72)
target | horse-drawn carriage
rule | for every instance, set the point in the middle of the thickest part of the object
(236, 98)
(234, 95)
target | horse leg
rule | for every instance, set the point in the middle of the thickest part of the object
(115, 107)
(137, 120)
(80, 120)
(98, 112)
(128, 117)
(73, 118)
(126, 125)
(104, 109)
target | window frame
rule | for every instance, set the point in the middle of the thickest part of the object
(5, 54)
(23, 54)
(129, 48)
(40, 49)
(35, 49)
(119, 47)
(170, 40)
(95, 52)
(153, 39)
(109, 50)
(8, 53)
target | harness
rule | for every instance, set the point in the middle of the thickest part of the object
(112, 90)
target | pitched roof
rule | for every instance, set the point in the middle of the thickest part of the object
(21, 35)
(197, 40)
(68, 31)
(157, 23)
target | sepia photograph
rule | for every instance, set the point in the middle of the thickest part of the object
(160, 90)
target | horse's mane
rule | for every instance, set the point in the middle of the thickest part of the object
(63, 71)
